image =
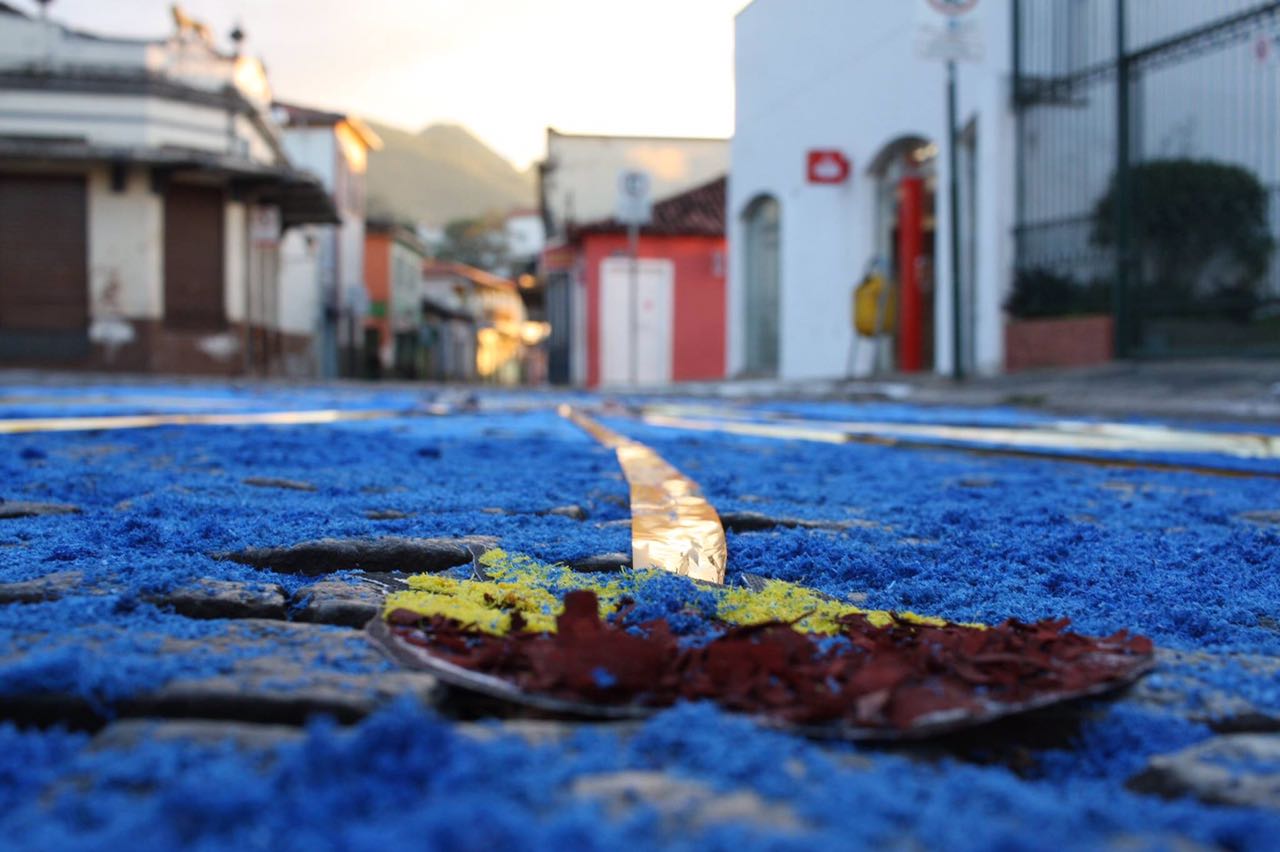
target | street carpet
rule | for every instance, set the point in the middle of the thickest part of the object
(173, 674)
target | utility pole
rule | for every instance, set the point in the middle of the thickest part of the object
(950, 30)
(634, 209)
(953, 193)
(46, 39)
(1123, 193)
(633, 250)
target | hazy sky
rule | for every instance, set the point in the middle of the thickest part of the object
(505, 68)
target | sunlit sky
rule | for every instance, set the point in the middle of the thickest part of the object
(507, 69)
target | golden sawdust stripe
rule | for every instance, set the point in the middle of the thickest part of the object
(14, 426)
(835, 433)
(673, 527)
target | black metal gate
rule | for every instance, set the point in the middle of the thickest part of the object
(1148, 185)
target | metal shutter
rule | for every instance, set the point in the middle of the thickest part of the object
(193, 258)
(44, 278)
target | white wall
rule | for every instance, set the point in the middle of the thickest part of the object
(525, 234)
(582, 186)
(833, 74)
(125, 246)
(351, 253)
(405, 308)
(299, 277)
(26, 41)
(235, 253)
(313, 149)
(131, 121)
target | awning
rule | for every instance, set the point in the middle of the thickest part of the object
(300, 195)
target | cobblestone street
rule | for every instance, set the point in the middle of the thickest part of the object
(182, 659)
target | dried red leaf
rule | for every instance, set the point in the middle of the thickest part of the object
(892, 676)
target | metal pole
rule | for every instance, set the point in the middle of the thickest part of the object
(957, 366)
(633, 246)
(1123, 201)
(1019, 153)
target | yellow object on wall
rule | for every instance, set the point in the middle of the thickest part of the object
(874, 308)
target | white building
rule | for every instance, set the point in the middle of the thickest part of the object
(578, 179)
(143, 191)
(526, 235)
(1100, 96)
(831, 79)
(323, 272)
(479, 323)
(578, 184)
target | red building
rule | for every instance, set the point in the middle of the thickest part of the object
(663, 319)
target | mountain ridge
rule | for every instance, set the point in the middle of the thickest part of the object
(441, 173)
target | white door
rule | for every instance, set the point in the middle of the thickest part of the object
(654, 280)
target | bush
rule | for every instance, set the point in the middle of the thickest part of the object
(1200, 231)
(1041, 292)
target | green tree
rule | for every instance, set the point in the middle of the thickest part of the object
(478, 242)
(1200, 229)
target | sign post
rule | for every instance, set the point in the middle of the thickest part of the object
(634, 209)
(950, 30)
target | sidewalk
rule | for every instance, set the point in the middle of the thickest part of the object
(1223, 389)
(1201, 390)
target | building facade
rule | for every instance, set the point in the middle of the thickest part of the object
(577, 184)
(476, 324)
(393, 258)
(660, 319)
(835, 170)
(526, 236)
(578, 179)
(323, 277)
(143, 193)
(1117, 174)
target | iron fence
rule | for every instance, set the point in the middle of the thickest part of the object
(1147, 178)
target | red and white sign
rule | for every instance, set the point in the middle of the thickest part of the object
(827, 166)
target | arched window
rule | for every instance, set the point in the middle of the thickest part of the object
(762, 218)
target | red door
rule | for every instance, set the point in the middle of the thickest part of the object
(910, 251)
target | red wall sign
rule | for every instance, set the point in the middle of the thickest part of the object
(827, 166)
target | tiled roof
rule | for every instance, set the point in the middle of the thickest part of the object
(296, 115)
(694, 212)
(439, 268)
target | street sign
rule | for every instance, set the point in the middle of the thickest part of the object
(950, 30)
(827, 166)
(635, 207)
(264, 224)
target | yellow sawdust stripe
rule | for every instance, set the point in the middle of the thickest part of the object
(19, 425)
(519, 585)
(673, 527)
(836, 433)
